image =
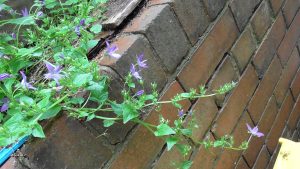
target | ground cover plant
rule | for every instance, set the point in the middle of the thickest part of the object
(44, 67)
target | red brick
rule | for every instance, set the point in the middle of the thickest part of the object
(268, 47)
(261, 20)
(226, 73)
(264, 126)
(264, 90)
(204, 112)
(289, 41)
(241, 164)
(244, 48)
(147, 149)
(229, 157)
(295, 87)
(12, 163)
(208, 55)
(168, 39)
(289, 10)
(294, 117)
(262, 159)
(278, 126)
(191, 14)
(276, 5)
(287, 76)
(204, 158)
(236, 103)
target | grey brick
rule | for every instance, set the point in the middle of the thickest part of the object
(214, 7)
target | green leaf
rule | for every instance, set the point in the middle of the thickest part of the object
(77, 100)
(82, 79)
(164, 130)
(90, 117)
(108, 123)
(99, 91)
(92, 43)
(51, 112)
(38, 131)
(218, 143)
(43, 103)
(27, 20)
(117, 108)
(171, 141)
(186, 165)
(129, 112)
(27, 100)
(96, 28)
(187, 132)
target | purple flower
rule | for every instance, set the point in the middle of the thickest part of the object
(24, 82)
(25, 12)
(53, 72)
(39, 14)
(181, 113)
(139, 92)
(254, 131)
(82, 22)
(13, 35)
(141, 62)
(4, 76)
(77, 30)
(134, 72)
(5, 104)
(111, 50)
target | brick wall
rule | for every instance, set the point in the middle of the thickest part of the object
(189, 43)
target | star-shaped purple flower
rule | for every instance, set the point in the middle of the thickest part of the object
(254, 131)
(53, 72)
(5, 104)
(77, 30)
(25, 12)
(4, 76)
(181, 113)
(139, 92)
(141, 63)
(82, 22)
(134, 72)
(111, 50)
(24, 82)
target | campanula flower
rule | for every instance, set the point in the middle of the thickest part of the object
(180, 113)
(39, 14)
(141, 63)
(139, 92)
(254, 131)
(77, 30)
(111, 50)
(4, 76)
(25, 12)
(13, 35)
(5, 104)
(134, 72)
(24, 82)
(82, 22)
(53, 72)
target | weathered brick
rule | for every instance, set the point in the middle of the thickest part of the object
(228, 158)
(226, 73)
(68, 145)
(289, 10)
(261, 20)
(147, 150)
(294, 117)
(268, 47)
(129, 47)
(295, 85)
(167, 38)
(241, 164)
(278, 126)
(295, 136)
(287, 76)
(191, 14)
(264, 90)
(287, 133)
(214, 7)
(208, 55)
(289, 41)
(204, 111)
(262, 159)
(236, 103)
(12, 163)
(244, 48)
(205, 158)
(274, 157)
(264, 126)
(276, 5)
(242, 11)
